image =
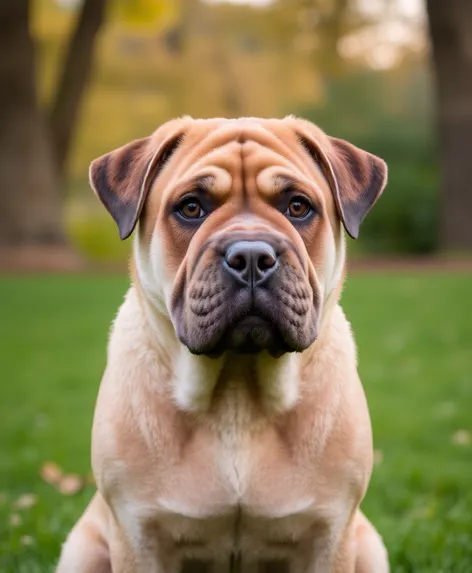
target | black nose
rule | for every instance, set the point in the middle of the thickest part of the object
(251, 262)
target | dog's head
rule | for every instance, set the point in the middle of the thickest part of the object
(239, 237)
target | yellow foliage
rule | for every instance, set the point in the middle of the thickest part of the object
(142, 15)
(158, 59)
(138, 82)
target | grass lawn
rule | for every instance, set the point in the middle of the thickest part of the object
(414, 334)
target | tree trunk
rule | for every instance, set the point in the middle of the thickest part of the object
(30, 205)
(223, 65)
(450, 24)
(74, 78)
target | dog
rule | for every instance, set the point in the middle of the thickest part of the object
(231, 431)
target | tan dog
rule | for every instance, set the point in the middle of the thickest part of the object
(231, 427)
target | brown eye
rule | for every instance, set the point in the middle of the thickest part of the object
(298, 208)
(191, 209)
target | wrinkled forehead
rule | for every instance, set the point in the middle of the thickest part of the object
(242, 157)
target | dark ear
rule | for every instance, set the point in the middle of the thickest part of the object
(356, 177)
(122, 178)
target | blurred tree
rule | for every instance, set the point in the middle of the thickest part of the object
(450, 26)
(32, 150)
(224, 68)
(74, 78)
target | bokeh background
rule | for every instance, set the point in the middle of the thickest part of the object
(81, 77)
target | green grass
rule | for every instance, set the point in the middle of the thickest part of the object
(414, 335)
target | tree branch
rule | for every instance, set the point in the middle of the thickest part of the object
(73, 78)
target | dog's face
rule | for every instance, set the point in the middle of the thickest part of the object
(240, 225)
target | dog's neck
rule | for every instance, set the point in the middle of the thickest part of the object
(196, 382)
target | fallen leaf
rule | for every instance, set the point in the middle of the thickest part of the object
(51, 473)
(378, 457)
(461, 438)
(26, 501)
(15, 519)
(71, 484)
(422, 512)
(26, 540)
(445, 409)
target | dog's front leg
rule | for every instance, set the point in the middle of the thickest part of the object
(86, 549)
(329, 551)
(371, 555)
(141, 555)
(359, 550)
(124, 562)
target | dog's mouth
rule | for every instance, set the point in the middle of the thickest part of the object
(213, 314)
(251, 333)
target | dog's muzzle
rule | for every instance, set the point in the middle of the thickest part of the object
(251, 264)
(246, 295)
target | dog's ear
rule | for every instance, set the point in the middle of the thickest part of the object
(356, 177)
(122, 178)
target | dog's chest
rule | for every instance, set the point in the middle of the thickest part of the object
(238, 487)
(234, 435)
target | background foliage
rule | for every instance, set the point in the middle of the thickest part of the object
(266, 61)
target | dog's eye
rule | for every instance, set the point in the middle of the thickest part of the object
(298, 208)
(191, 209)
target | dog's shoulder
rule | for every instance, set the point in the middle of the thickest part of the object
(337, 343)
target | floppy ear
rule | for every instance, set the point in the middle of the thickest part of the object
(122, 178)
(356, 177)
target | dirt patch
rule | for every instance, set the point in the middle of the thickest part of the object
(44, 260)
(407, 265)
(40, 259)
